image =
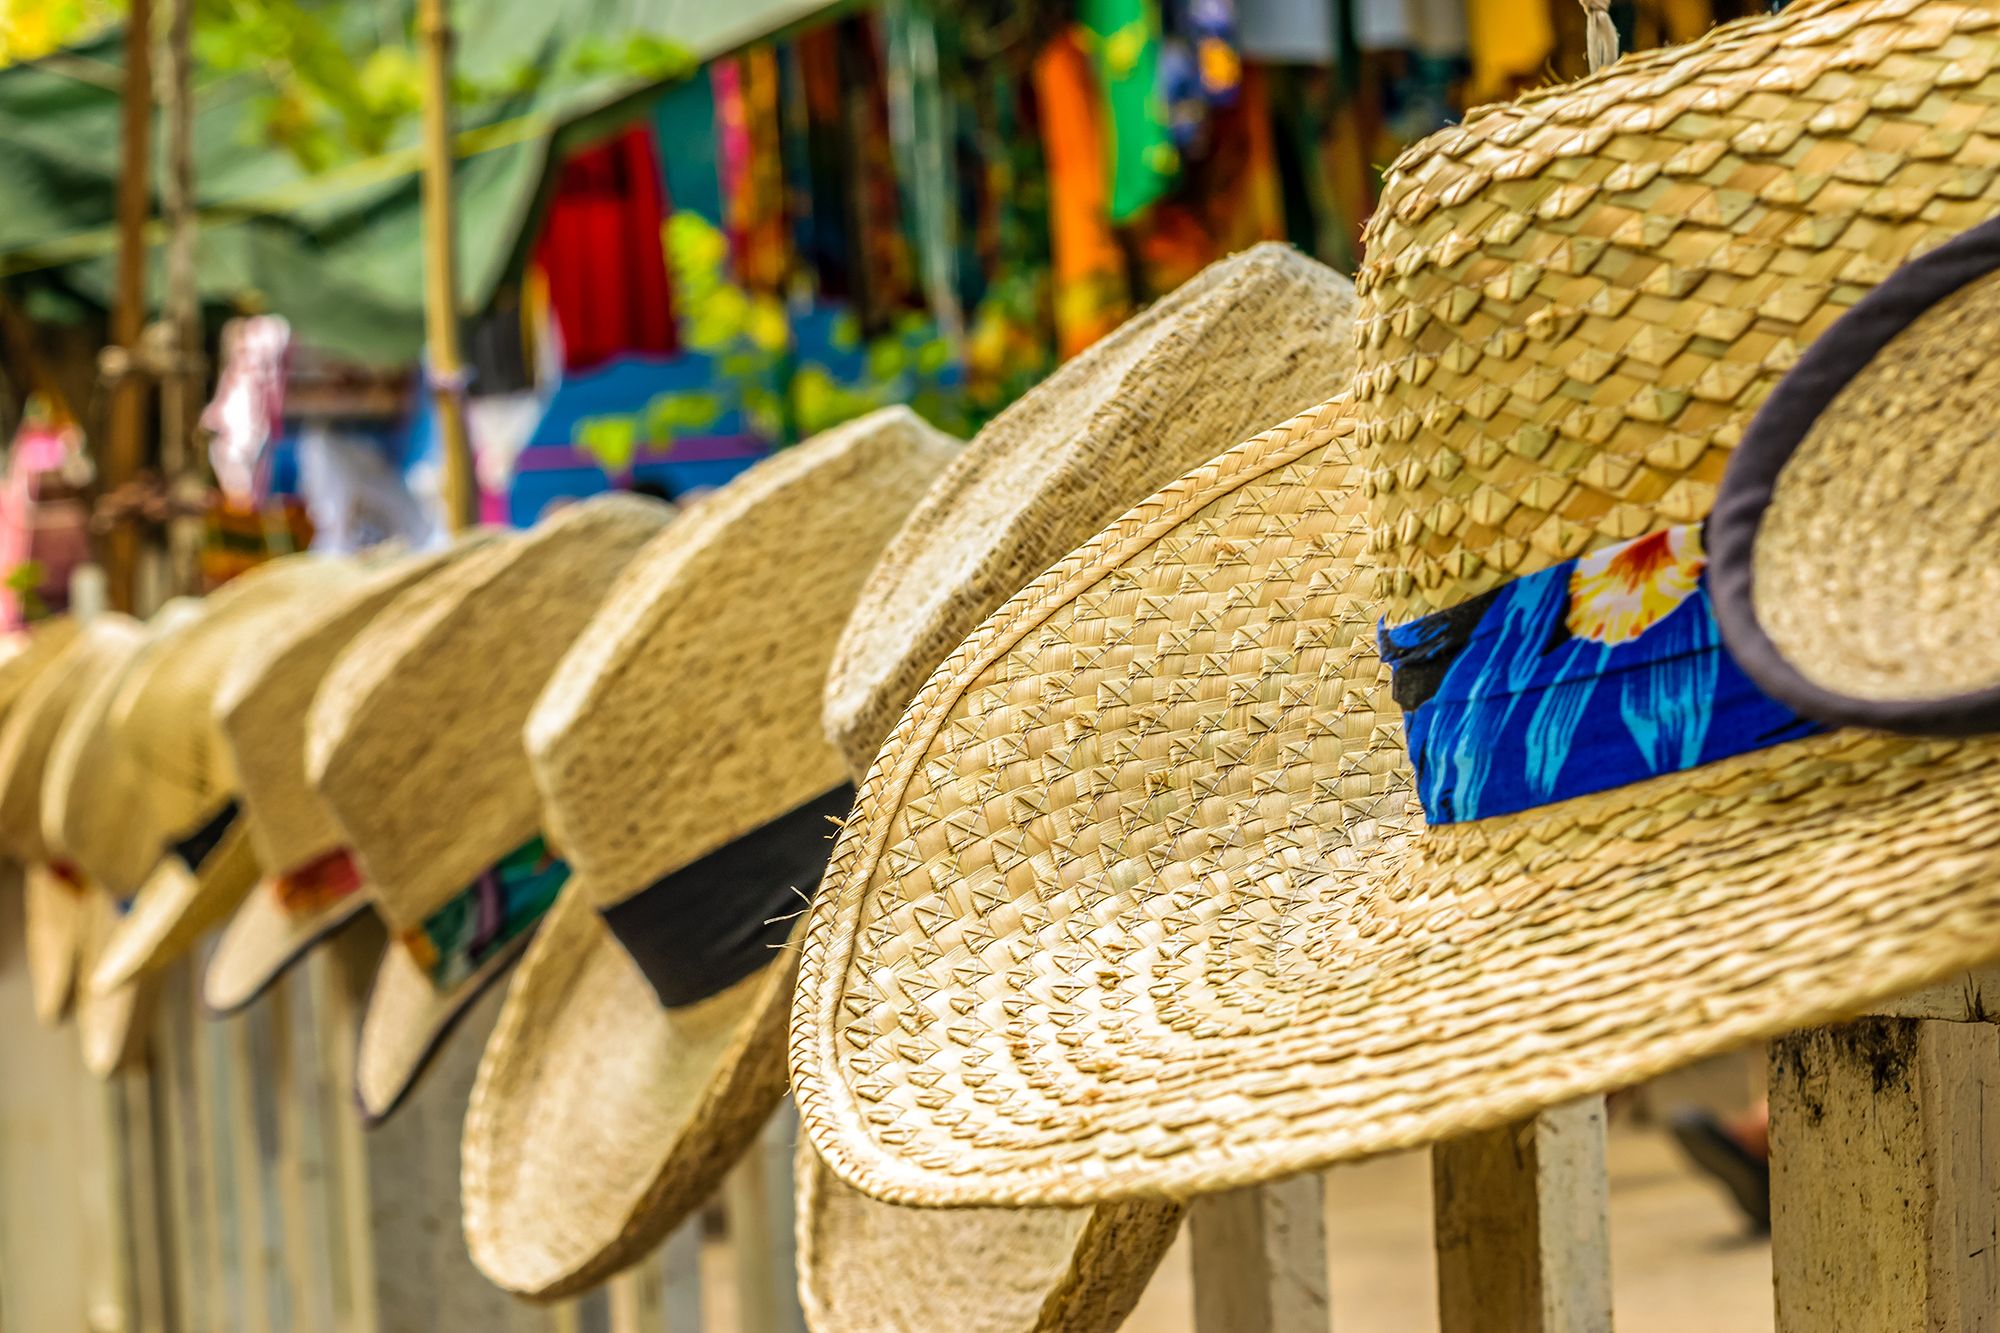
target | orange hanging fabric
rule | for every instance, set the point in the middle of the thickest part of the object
(1093, 295)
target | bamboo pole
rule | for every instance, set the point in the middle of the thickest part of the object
(124, 445)
(441, 269)
(181, 383)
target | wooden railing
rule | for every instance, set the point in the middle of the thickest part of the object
(228, 1187)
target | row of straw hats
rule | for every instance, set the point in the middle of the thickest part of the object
(611, 751)
(1137, 892)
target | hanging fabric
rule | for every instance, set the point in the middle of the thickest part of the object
(923, 133)
(753, 173)
(1510, 41)
(602, 254)
(1123, 41)
(1092, 294)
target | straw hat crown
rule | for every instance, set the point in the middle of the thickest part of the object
(1573, 303)
(86, 806)
(162, 719)
(692, 658)
(1248, 341)
(27, 653)
(29, 732)
(263, 705)
(415, 736)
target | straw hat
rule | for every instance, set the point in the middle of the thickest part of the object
(1246, 342)
(51, 931)
(171, 813)
(25, 655)
(311, 885)
(34, 724)
(1884, 636)
(611, 1100)
(1251, 340)
(414, 741)
(80, 774)
(1195, 932)
(28, 732)
(111, 1022)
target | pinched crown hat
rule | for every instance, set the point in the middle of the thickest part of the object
(311, 884)
(54, 890)
(1180, 883)
(685, 775)
(28, 732)
(1245, 343)
(1251, 340)
(415, 742)
(109, 1024)
(175, 822)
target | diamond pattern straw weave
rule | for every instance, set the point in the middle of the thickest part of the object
(1147, 907)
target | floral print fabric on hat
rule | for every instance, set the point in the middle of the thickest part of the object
(1594, 673)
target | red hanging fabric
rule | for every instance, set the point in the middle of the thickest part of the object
(602, 251)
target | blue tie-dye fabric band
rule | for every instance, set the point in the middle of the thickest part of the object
(1595, 673)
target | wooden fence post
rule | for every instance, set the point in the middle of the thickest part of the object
(1523, 1225)
(1885, 1156)
(1258, 1256)
(758, 1199)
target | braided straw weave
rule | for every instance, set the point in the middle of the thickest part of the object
(1874, 549)
(1252, 339)
(1153, 910)
(1102, 716)
(177, 770)
(415, 735)
(686, 716)
(1248, 341)
(262, 710)
(415, 742)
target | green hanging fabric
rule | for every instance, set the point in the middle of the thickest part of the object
(1124, 44)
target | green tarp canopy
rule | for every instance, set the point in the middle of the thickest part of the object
(338, 253)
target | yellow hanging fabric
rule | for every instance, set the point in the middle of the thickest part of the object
(1511, 40)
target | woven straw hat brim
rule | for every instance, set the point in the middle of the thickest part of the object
(881, 1267)
(620, 1117)
(262, 706)
(52, 932)
(263, 940)
(1281, 969)
(1249, 341)
(701, 679)
(175, 907)
(415, 733)
(110, 1025)
(407, 1020)
(1851, 565)
(29, 731)
(1253, 339)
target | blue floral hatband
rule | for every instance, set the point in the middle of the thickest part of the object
(1598, 672)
